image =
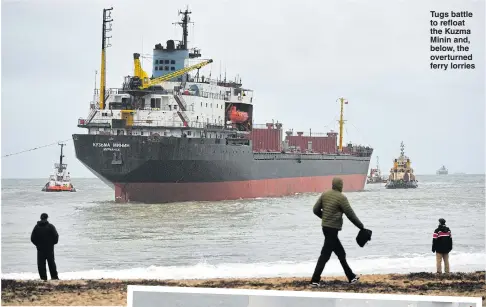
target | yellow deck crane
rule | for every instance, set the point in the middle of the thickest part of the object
(140, 82)
(137, 69)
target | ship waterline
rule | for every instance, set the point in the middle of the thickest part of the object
(230, 190)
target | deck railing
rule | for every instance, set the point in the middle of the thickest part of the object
(203, 94)
(154, 124)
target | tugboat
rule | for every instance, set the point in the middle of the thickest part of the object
(401, 174)
(442, 171)
(375, 174)
(60, 181)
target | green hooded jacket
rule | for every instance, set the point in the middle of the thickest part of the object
(332, 204)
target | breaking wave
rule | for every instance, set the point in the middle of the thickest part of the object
(459, 262)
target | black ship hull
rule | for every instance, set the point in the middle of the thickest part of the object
(168, 169)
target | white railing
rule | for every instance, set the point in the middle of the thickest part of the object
(176, 123)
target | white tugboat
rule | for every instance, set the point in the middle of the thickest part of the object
(401, 174)
(442, 171)
(60, 181)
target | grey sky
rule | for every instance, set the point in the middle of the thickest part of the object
(298, 57)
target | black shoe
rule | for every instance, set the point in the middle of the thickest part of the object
(354, 280)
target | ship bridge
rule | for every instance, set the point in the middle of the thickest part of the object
(172, 57)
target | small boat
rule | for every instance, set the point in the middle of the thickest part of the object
(375, 174)
(442, 171)
(402, 174)
(60, 181)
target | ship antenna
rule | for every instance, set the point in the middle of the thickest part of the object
(104, 44)
(183, 23)
(341, 123)
(402, 149)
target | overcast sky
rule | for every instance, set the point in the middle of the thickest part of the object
(298, 57)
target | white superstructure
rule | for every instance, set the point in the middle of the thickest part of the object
(184, 106)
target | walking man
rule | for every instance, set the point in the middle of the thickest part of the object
(330, 208)
(44, 237)
(442, 245)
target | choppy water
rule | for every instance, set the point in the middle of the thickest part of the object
(260, 237)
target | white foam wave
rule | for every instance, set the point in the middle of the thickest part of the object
(460, 262)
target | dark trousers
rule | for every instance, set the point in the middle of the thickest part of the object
(44, 255)
(331, 244)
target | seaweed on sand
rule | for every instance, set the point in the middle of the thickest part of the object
(464, 284)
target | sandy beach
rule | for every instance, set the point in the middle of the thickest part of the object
(113, 292)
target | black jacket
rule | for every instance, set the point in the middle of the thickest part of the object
(442, 240)
(364, 235)
(44, 236)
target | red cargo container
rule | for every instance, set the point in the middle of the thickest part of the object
(295, 141)
(306, 144)
(324, 141)
(332, 145)
(320, 144)
(302, 142)
(267, 140)
(323, 144)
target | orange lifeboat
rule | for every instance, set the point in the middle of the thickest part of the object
(237, 116)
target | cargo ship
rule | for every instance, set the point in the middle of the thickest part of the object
(178, 136)
(442, 171)
(402, 175)
(60, 181)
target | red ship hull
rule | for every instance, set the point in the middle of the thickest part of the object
(231, 190)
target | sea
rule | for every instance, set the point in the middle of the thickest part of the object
(265, 237)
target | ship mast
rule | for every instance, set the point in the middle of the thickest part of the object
(104, 44)
(402, 150)
(61, 167)
(341, 123)
(94, 91)
(183, 23)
